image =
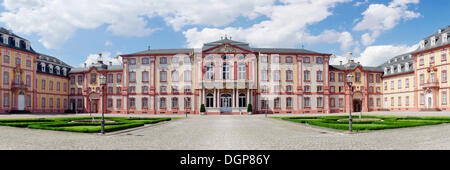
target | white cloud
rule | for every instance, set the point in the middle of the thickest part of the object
(108, 43)
(279, 30)
(377, 55)
(379, 17)
(55, 21)
(106, 57)
(332, 36)
(359, 3)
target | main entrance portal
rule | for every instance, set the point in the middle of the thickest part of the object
(225, 103)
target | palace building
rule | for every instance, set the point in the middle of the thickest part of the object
(227, 77)
(30, 82)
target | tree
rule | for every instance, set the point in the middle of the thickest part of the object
(249, 108)
(202, 108)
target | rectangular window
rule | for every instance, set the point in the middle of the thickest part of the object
(399, 102)
(80, 103)
(187, 102)
(341, 77)
(407, 83)
(276, 102)
(307, 78)
(144, 89)
(444, 98)
(289, 102)
(319, 102)
(175, 102)
(110, 103)
(132, 103)
(6, 99)
(444, 76)
(187, 76)
(264, 75)
(162, 103)
(319, 60)
(319, 76)
(6, 78)
(163, 76)
(43, 84)
(132, 77)
(145, 103)
(307, 60)
(163, 60)
(175, 76)
(119, 103)
(358, 77)
(407, 100)
(145, 76)
(80, 80)
(276, 75)
(93, 78)
(319, 88)
(332, 79)
(306, 102)
(43, 102)
(110, 78)
(307, 89)
(132, 61)
(422, 99)
(370, 78)
(28, 101)
(119, 77)
(145, 60)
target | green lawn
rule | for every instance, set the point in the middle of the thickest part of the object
(66, 124)
(388, 122)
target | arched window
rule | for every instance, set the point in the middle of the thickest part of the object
(242, 100)
(210, 100)
(226, 71)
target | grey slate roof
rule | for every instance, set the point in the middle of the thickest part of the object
(439, 36)
(352, 65)
(210, 45)
(99, 67)
(283, 50)
(4, 31)
(242, 45)
(53, 60)
(165, 51)
(397, 65)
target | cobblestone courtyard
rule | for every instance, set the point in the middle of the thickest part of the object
(229, 133)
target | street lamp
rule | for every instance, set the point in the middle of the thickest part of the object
(350, 83)
(103, 84)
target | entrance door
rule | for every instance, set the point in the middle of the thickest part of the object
(357, 105)
(21, 102)
(225, 103)
(94, 108)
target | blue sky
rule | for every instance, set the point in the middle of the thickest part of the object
(333, 27)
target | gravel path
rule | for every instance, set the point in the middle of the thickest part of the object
(227, 133)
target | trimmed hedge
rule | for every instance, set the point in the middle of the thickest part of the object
(387, 123)
(66, 124)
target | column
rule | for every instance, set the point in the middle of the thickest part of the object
(234, 98)
(215, 101)
(248, 97)
(203, 96)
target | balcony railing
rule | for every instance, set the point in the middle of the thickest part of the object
(18, 86)
(431, 85)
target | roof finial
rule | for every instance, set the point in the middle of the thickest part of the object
(226, 38)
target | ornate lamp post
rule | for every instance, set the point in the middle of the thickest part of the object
(103, 84)
(350, 83)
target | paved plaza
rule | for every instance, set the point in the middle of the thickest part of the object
(228, 133)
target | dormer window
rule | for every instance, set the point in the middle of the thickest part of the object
(43, 67)
(58, 71)
(433, 41)
(65, 71)
(50, 68)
